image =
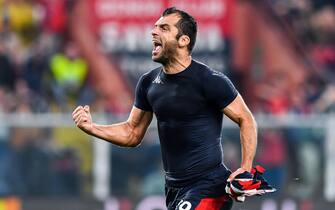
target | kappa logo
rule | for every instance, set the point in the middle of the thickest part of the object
(158, 80)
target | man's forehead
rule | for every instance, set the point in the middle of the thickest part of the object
(171, 19)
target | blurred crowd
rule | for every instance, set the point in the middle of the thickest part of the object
(310, 27)
(41, 67)
(42, 70)
(290, 66)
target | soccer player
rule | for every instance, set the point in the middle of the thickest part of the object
(189, 100)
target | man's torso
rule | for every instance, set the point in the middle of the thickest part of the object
(189, 118)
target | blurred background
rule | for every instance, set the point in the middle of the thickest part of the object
(57, 54)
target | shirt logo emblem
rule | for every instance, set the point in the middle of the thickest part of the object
(158, 80)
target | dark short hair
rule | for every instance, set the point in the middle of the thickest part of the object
(186, 25)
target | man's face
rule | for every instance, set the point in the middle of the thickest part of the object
(164, 39)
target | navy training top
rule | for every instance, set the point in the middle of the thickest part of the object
(188, 107)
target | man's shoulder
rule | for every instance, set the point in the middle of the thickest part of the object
(206, 71)
(199, 65)
(151, 74)
(147, 78)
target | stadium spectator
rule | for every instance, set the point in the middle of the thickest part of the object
(69, 72)
(23, 18)
(7, 73)
(34, 70)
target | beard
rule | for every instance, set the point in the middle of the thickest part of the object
(167, 54)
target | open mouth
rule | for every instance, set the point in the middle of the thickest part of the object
(157, 46)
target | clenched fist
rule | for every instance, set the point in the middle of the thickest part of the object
(83, 119)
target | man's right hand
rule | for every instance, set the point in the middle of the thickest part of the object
(82, 118)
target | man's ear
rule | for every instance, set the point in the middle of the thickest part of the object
(183, 41)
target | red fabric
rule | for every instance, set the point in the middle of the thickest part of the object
(249, 185)
(211, 203)
(245, 183)
(260, 169)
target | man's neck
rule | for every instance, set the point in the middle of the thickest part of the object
(177, 65)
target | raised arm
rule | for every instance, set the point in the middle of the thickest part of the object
(238, 112)
(127, 134)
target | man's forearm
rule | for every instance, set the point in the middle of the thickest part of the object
(121, 134)
(248, 135)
